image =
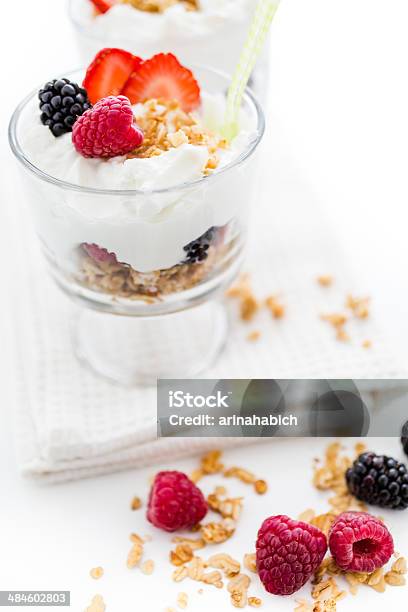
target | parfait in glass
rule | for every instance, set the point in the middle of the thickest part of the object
(141, 206)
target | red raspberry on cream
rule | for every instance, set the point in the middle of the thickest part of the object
(107, 130)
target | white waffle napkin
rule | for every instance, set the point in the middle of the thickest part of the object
(72, 424)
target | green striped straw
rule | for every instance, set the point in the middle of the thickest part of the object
(261, 21)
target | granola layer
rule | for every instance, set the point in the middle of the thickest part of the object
(121, 280)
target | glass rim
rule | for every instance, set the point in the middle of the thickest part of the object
(31, 167)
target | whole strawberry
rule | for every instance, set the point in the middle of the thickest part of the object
(287, 553)
(175, 502)
(107, 130)
(359, 542)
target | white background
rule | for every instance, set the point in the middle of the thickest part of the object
(339, 90)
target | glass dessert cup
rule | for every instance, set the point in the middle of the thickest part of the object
(168, 321)
(217, 43)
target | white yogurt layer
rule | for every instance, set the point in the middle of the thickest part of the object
(211, 36)
(147, 230)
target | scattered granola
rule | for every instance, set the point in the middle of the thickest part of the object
(195, 570)
(248, 303)
(238, 587)
(338, 321)
(396, 576)
(342, 335)
(210, 462)
(254, 602)
(260, 486)
(400, 566)
(136, 552)
(247, 477)
(147, 567)
(194, 544)
(318, 606)
(358, 306)
(224, 562)
(249, 306)
(215, 533)
(330, 477)
(240, 473)
(325, 280)
(307, 515)
(376, 580)
(254, 336)
(182, 600)
(228, 507)
(96, 572)
(183, 553)
(136, 503)
(324, 521)
(97, 604)
(275, 307)
(250, 562)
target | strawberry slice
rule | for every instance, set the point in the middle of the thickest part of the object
(109, 72)
(103, 6)
(163, 76)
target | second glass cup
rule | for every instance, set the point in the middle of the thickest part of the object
(159, 256)
(207, 32)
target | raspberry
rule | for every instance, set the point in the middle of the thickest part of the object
(98, 253)
(287, 553)
(175, 502)
(106, 130)
(359, 542)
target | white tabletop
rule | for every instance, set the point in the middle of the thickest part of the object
(339, 90)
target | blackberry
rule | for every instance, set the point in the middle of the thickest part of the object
(404, 438)
(61, 102)
(197, 250)
(379, 480)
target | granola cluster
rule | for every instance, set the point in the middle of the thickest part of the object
(166, 126)
(159, 6)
